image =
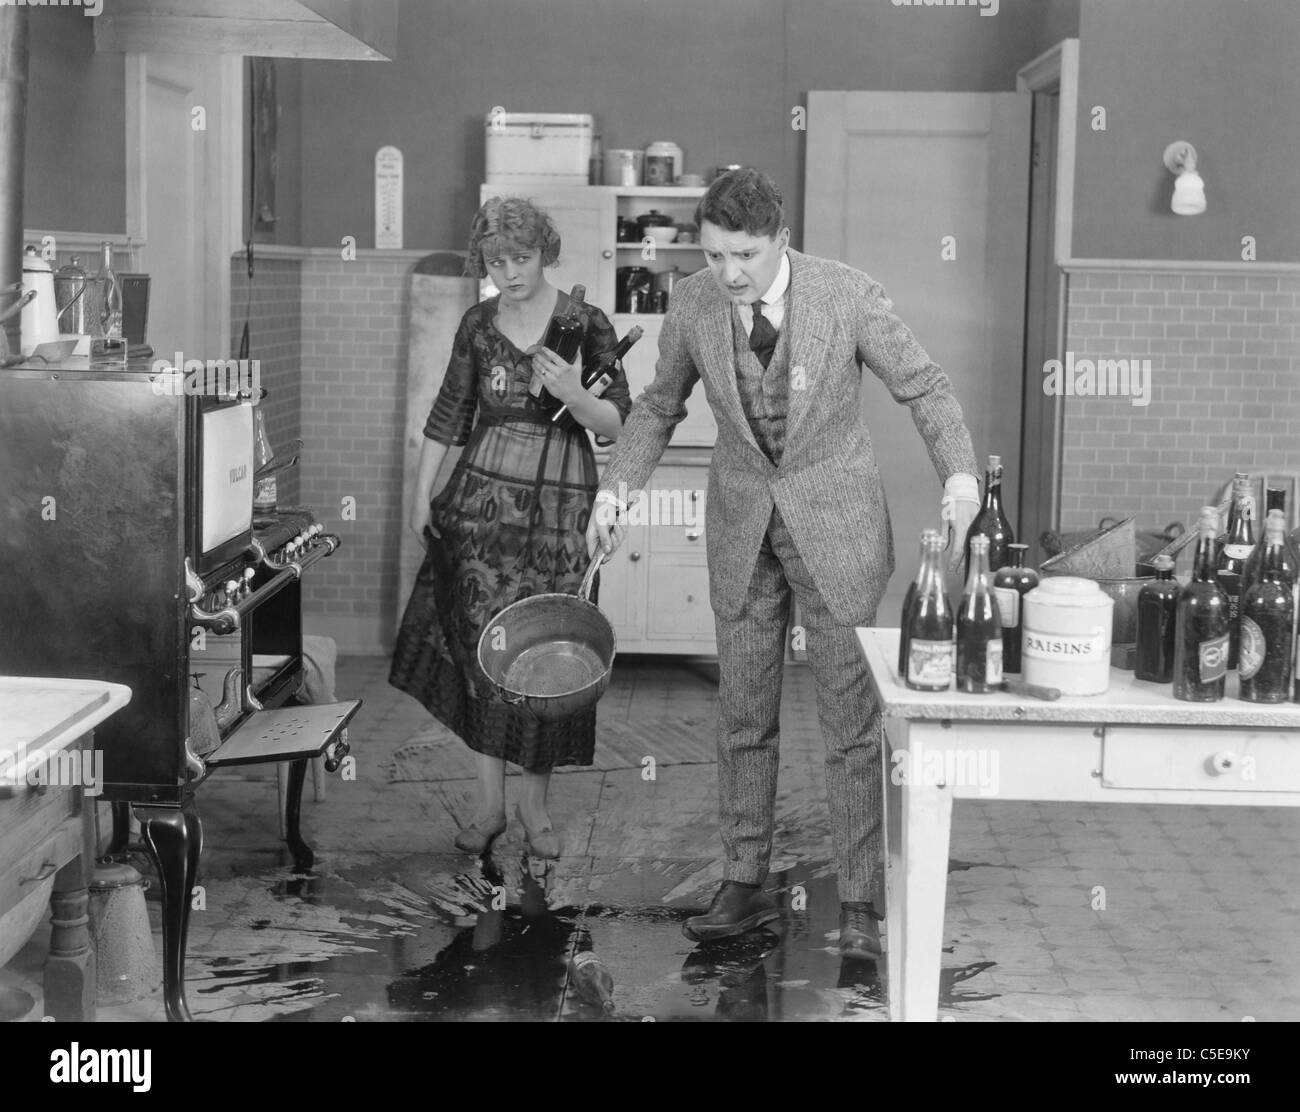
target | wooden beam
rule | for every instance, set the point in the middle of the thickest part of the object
(261, 28)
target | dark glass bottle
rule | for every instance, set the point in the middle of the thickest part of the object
(929, 624)
(604, 369)
(591, 980)
(979, 630)
(1011, 583)
(1157, 619)
(1274, 503)
(1201, 634)
(1267, 624)
(564, 337)
(991, 521)
(903, 623)
(1238, 543)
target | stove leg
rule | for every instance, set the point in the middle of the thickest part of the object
(121, 828)
(174, 838)
(303, 857)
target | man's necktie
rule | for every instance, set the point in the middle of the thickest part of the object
(762, 337)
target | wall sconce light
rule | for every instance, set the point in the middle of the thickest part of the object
(1189, 187)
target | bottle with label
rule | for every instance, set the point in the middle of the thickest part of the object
(929, 623)
(564, 336)
(1201, 625)
(596, 379)
(1011, 583)
(1238, 543)
(264, 493)
(903, 624)
(1267, 624)
(1157, 613)
(979, 630)
(991, 521)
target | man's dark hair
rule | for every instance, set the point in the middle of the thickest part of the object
(744, 200)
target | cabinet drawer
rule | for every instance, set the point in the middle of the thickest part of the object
(1207, 758)
(675, 510)
(678, 602)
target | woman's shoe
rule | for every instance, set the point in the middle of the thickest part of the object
(541, 843)
(478, 839)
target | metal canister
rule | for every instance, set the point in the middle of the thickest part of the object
(1066, 636)
(71, 290)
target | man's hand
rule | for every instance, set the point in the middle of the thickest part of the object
(607, 528)
(963, 514)
(562, 380)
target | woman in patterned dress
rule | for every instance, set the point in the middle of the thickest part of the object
(512, 518)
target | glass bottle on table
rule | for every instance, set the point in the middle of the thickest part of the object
(1201, 632)
(979, 629)
(110, 292)
(928, 621)
(1011, 583)
(1238, 543)
(991, 521)
(1268, 624)
(1157, 616)
(904, 624)
(1274, 503)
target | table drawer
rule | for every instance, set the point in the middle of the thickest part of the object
(1201, 757)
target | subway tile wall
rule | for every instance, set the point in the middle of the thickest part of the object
(354, 341)
(1224, 391)
(274, 315)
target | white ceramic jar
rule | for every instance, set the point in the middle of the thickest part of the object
(663, 163)
(1065, 639)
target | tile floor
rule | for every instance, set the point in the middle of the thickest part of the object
(394, 924)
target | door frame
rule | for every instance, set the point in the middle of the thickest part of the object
(221, 233)
(1054, 71)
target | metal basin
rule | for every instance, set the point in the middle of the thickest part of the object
(551, 654)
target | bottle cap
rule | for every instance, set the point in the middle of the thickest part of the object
(1163, 563)
(995, 462)
(1017, 544)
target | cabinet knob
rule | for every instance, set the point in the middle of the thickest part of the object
(693, 535)
(634, 555)
(1223, 762)
(607, 254)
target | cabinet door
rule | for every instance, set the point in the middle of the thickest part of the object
(585, 218)
(677, 603)
(623, 592)
(698, 429)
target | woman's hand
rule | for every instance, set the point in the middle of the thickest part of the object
(420, 517)
(563, 380)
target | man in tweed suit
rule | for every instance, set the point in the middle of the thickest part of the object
(795, 503)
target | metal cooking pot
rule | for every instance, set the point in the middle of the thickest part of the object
(551, 653)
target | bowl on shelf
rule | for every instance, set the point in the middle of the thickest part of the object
(661, 235)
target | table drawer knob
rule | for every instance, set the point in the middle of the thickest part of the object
(1223, 762)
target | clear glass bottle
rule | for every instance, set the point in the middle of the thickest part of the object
(110, 312)
(979, 629)
(1238, 544)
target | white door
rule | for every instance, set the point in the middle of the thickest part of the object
(185, 162)
(928, 193)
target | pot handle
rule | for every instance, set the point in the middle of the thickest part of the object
(590, 577)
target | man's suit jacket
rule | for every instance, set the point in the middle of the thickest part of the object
(827, 485)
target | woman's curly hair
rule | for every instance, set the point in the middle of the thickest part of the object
(745, 200)
(506, 224)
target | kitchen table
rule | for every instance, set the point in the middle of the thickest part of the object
(1134, 744)
(47, 819)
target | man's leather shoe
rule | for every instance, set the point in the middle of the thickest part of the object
(859, 935)
(734, 911)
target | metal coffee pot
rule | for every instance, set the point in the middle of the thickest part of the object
(72, 297)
